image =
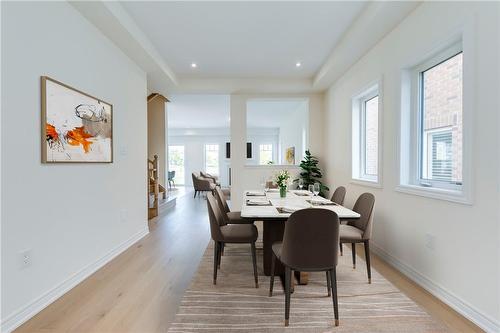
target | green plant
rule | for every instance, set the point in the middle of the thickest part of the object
(311, 173)
(282, 178)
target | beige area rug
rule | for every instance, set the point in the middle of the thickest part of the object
(235, 305)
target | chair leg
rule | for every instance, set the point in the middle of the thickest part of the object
(353, 247)
(341, 249)
(216, 260)
(254, 259)
(271, 281)
(195, 193)
(288, 282)
(222, 249)
(328, 283)
(333, 278)
(219, 252)
(367, 259)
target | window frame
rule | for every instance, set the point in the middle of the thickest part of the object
(205, 158)
(272, 152)
(418, 107)
(358, 158)
(183, 181)
(463, 38)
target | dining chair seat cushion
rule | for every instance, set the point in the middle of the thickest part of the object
(235, 218)
(239, 233)
(348, 232)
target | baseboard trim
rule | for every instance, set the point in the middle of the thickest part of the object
(484, 322)
(21, 316)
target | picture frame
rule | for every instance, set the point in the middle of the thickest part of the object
(76, 127)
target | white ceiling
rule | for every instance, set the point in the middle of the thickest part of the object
(198, 111)
(244, 39)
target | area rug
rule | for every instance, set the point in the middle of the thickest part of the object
(235, 305)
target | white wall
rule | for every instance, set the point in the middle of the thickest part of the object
(463, 268)
(248, 176)
(194, 141)
(73, 217)
(294, 133)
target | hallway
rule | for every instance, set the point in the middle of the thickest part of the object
(139, 291)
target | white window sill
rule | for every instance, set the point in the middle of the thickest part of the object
(271, 166)
(435, 193)
(366, 182)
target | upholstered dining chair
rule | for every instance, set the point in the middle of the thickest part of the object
(202, 184)
(229, 233)
(228, 216)
(360, 230)
(310, 244)
(339, 195)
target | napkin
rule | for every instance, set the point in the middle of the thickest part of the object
(255, 194)
(321, 203)
(290, 209)
(254, 202)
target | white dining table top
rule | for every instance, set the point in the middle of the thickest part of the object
(292, 200)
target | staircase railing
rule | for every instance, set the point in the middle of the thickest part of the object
(154, 186)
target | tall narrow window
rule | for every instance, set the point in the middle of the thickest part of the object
(365, 139)
(212, 159)
(176, 163)
(440, 115)
(265, 154)
(370, 138)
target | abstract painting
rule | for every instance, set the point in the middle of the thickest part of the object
(290, 155)
(76, 127)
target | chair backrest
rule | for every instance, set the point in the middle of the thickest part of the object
(364, 207)
(215, 217)
(221, 198)
(339, 195)
(204, 174)
(311, 240)
(271, 184)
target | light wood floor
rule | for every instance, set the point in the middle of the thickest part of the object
(139, 291)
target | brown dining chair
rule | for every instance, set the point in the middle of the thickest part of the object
(360, 230)
(339, 195)
(228, 216)
(310, 244)
(223, 233)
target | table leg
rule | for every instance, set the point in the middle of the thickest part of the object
(273, 232)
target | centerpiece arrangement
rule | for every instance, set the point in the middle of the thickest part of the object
(282, 179)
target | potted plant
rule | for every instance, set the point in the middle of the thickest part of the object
(282, 179)
(311, 173)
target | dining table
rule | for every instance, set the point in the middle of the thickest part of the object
(274, 210)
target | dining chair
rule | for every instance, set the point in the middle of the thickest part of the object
(310, 244)
(229, 216)
(339, 195)
(223, 233)
(360, 230)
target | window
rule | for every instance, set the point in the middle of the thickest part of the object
(176, 163)
(366, 134)
(212, 159)
(433, 159)
(265, 154)
(440, 119)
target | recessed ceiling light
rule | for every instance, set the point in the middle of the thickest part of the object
(194, 65)
(298, 64)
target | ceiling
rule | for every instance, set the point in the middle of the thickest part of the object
(244, 39)
(198, 111)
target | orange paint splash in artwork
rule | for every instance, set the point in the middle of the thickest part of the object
(51, 132)
(78, 136)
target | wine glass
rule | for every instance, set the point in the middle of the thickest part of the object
(311, 188)
(301, 184)
(316, 189)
